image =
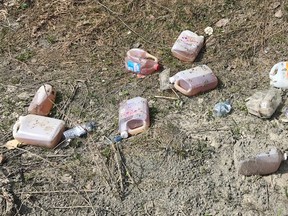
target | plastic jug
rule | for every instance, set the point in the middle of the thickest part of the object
(43, 100)
(279, 75)
(195, 80)
(133, 116)
(140, 62)
(262, 164)
(264, 103)
(38, 130)
(187, 46)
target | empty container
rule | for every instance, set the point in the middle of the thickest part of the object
(187, 46)
(141, 62)
(262, 164)
(43, 100)
(133, 116)
(195, 80)
(38, 130)
(279, 75)
(264, 103)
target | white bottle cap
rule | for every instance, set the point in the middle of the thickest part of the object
(124, 134)
(172, 80)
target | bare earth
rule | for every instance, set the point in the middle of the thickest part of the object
(186, 163)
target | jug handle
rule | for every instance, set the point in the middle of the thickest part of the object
(151, 56)
(16, 127)
(178, 87)
(139, 128)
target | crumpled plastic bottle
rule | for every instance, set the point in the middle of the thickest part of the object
(222, 109)
(79, 130)
(262, 164)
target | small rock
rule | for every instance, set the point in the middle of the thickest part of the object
(136, 45)
(67, 178)
(221, 23)
(275, 5)
(11, 88)
(33, 60)
(23, 96)
(208, 30)
(278, 13)
(2, 159)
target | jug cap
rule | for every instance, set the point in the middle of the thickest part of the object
(172, 79)
(124, 134)
(156, 67)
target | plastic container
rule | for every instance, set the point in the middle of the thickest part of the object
(38, 130)
(195, 80)
(79, 130)
(133, 116)
(140, 62)
(279, 75)
(187, 46)
(262, 164)
(264, 103)
(43, 100)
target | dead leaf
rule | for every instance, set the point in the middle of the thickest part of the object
(13, 144)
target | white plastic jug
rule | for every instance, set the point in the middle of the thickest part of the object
(187, 46)
(279, 75)
(133, 116)
(38, 130)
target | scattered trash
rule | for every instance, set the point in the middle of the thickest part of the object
(38, 130)
(208, 30)
(222, 109)
(140, 62)
(13, 144)
(278, 14)
(195, 80)
(264, 103)
(43, 100)
(79, 130)
(164, 80)
(279, 75)
(262, 164)
(133, 116)
(187, 46)
(222, 23)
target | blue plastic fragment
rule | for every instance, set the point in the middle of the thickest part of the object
(222, 109)
(117, 138)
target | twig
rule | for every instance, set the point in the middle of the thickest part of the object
(59, 191)
(164, 97)
(70, 207)
(175, 93)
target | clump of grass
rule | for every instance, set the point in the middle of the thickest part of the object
(25, 56)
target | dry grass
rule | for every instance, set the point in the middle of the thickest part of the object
(171, 169)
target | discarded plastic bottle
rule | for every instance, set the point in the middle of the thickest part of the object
(222, 109)
(279, 75)
(262, 164)
(133, 116)
(264, 103)
(141, 62)
(187, 46)
(43, 100)
(195, 80)
(38, 130)
(79, 130)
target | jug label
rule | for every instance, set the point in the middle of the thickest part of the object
(133, 66)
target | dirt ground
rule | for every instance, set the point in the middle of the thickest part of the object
(186, 163)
